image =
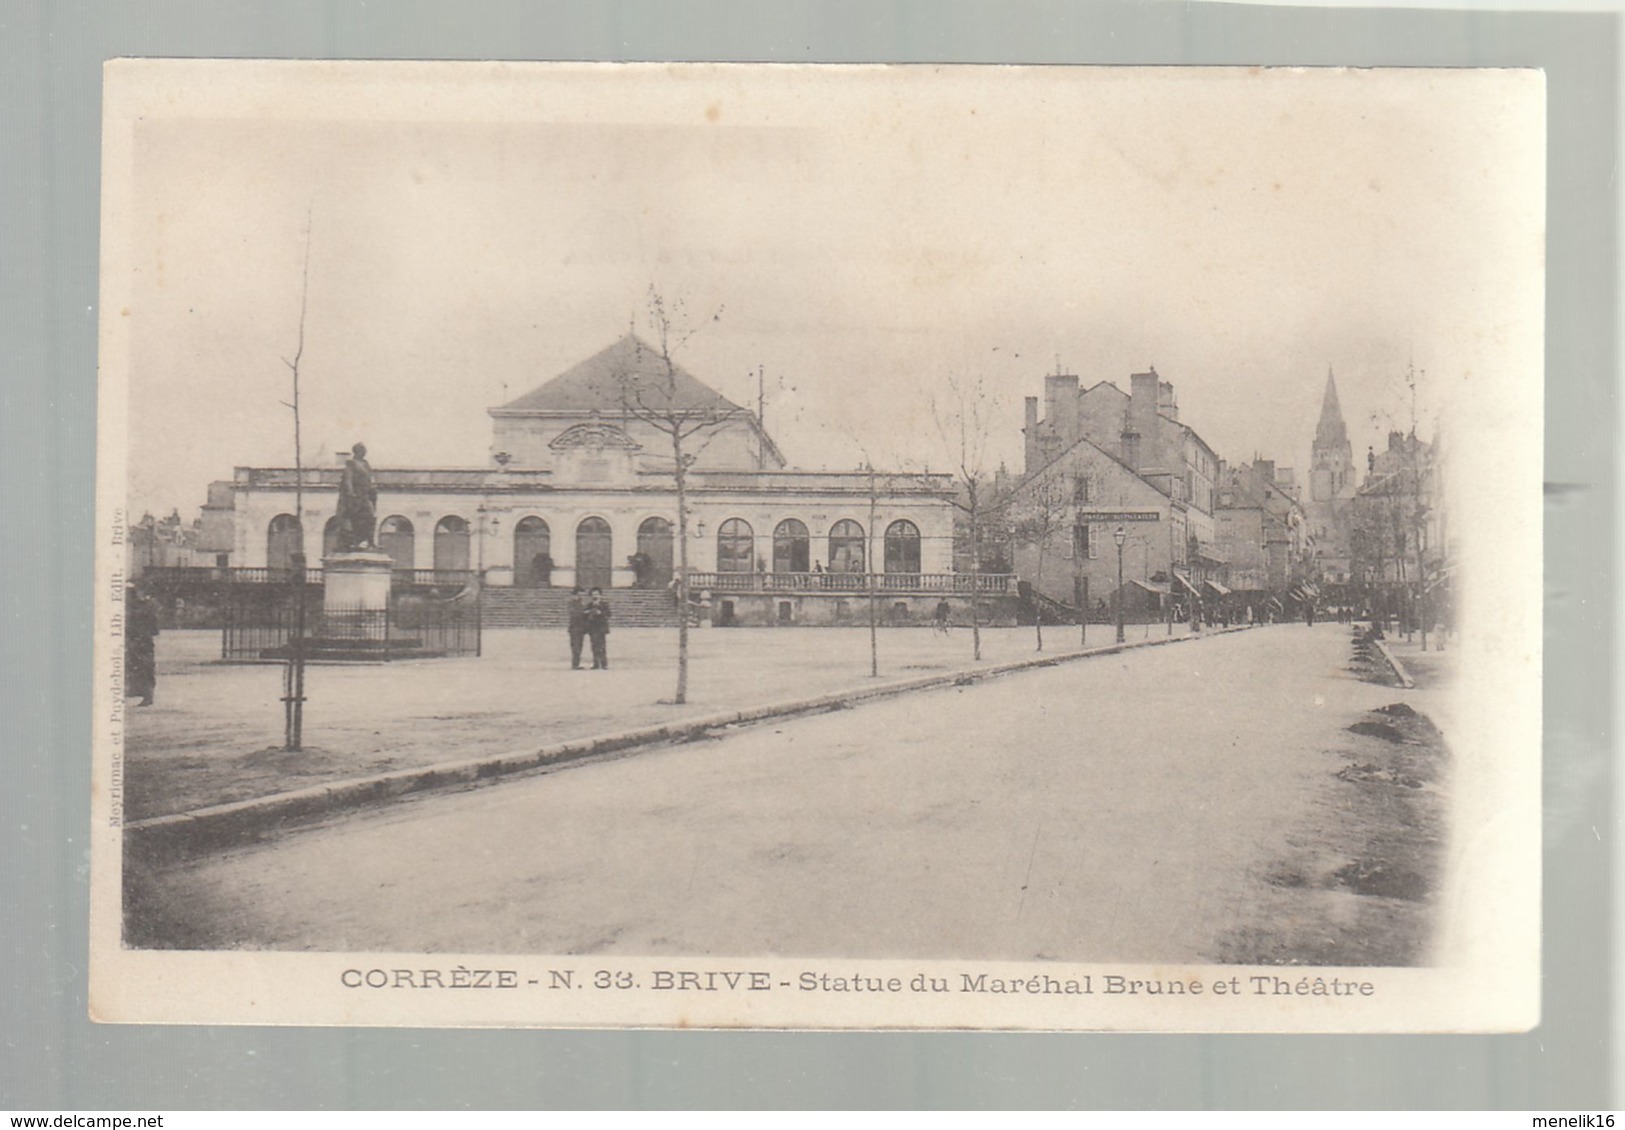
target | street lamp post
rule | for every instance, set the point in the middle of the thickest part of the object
(1120, 536)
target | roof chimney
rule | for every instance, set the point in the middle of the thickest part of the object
(1061, 406)
(1142, 419)
(1030, 434)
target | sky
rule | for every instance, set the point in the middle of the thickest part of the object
(866, 237)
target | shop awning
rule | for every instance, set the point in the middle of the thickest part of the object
(1151, 587)
(1185, 581)
(1439, 576)
(1217, 588)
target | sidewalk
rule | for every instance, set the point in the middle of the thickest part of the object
(215, 734)
(1431, 668)
(1437, 690)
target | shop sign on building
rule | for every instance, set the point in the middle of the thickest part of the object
(1119, 516)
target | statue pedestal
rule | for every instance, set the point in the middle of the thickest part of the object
(356, 582)
(356, 624)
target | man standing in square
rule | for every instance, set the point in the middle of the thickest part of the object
(597, 618)
(578, 626)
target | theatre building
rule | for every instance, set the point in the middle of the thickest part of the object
(579, 489)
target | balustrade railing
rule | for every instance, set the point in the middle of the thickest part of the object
(178, 576)
(194, 575)
(947, 583)
(432, 578)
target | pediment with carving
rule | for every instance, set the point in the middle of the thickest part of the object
(594, 436)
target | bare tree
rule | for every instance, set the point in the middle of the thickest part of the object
(1084, 487)
(293, 685)
(656, 398)
(1405, 495)
(1415, 459)
(880, 484)
(869, 568)
(1369, 542)
(964, 419)
(1039, 512)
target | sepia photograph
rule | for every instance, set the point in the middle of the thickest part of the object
(641, 545)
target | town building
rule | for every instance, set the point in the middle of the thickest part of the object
(1263, 533)
(580, 489)
(1140, 428)
(1101, 459)
(170, 543)
(1402, 552)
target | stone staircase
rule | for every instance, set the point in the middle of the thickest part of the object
(550, 608)
(524, 608)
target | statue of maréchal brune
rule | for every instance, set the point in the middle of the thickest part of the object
(358, 503)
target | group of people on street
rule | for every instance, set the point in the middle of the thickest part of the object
(589, 620)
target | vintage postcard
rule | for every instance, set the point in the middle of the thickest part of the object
(819, 547)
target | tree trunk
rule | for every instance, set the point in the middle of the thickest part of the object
(681, 696)
(1038, 597)
(1421, 590)
(975, 575)
(294, 733)
(869, 570)
(1080, 590)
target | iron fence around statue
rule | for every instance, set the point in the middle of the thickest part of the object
(259, 627)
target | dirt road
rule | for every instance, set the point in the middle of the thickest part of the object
(1135, 807)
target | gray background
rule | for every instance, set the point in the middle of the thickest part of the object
(51, 1057)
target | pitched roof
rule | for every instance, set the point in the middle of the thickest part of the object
(1084, 442)
(629, 371)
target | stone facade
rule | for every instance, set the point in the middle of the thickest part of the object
(1141, 430)
(1401, 513)
(1109, 459)
(581, 489)
(1071, 508)
(1262, 528)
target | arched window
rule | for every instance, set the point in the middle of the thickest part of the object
(397, 538)
(532, 553)
(846, 547)
(451, 545)
(283, 538)
(792, 548)
(902, 547)
(736, 547)
(330, 537)
(653, 565)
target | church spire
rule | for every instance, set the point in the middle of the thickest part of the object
(1330, 432)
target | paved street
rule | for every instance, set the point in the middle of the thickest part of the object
(978, 822)
(215, 734)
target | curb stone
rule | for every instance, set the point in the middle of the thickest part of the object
(1403, 675)
(243, 821)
